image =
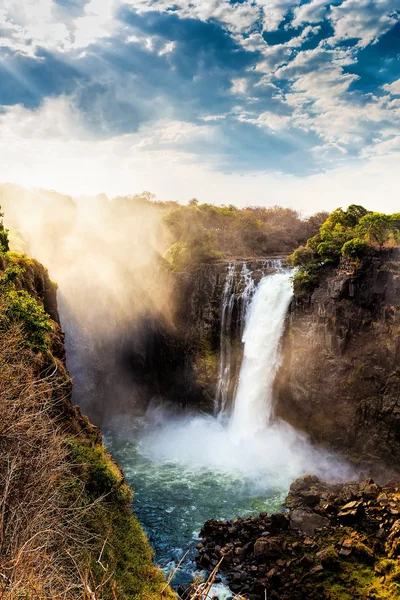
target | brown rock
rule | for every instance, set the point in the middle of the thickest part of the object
(307, 522)
(269, 547)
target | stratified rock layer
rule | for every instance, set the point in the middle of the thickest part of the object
(337, 542)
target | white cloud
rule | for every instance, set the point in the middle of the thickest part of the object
(393, 88)
(312, 12)
(30, 24)
(68, 160)
(267, 119)
(239, 86)
(365, 20)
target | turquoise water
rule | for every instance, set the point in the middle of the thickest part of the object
(173, 499)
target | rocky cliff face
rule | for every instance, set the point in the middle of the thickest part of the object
(179, 362)
(340, 375)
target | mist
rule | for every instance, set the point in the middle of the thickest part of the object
(106, 257)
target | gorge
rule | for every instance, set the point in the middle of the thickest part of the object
(216, 386)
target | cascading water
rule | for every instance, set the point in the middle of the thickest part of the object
(188, 469)
(237, 296)
(238, 291)
(264, 328)
(224, 375)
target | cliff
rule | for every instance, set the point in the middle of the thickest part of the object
(66, 525)
(179, 361)
(340, 374)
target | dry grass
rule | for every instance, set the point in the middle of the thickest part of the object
(41, 531)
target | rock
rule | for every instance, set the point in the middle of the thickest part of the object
(351, 512)
(307, 522)
(306, 561)
(393, 541)
(329, 559)
(269, 547)
(340, 360)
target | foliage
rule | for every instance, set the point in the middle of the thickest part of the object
(19, 307)
(203, 232)
(4, 244)
(126, 549)
(302, 256)
(376, 227)
(344, 234)
(355, 249)
(177, 256)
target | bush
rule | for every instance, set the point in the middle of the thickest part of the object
(376, 227)
(4, 243)
(355, 249)
(177, 256)
(302, 256)
(19, 307)
(304, 282)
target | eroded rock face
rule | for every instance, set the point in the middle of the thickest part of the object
(340, 375)
(346, 545)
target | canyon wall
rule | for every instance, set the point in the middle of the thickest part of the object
(340, 374)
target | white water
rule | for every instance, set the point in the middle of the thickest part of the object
(224, 375)
(238, 291)
(264, 328)
(188, 469)
(249, 443)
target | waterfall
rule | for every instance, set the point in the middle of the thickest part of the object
(237, 294)
(262, 335)
(224, 375)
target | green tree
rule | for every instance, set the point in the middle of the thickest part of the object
(376, 227)
(355, 249)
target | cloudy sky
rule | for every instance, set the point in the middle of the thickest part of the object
(246, 101)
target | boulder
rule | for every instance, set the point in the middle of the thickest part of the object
(307, 522)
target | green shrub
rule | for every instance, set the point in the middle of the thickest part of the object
(304, 282)
(4, 243)
(302, 256)
(376, 227)
(22, 308)
(355, 249)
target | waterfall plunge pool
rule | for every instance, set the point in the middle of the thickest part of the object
(188, 469)
(178, 487)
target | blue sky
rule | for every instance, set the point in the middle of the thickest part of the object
(251, 101)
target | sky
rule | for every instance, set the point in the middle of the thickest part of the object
(229, 101)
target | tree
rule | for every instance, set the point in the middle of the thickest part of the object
(375, 227)
(355, 249)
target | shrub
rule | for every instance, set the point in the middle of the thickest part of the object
(304, 282)
(177, 256)
(302, 256)
(4, 243)
(355, 249)
(19, 307)
(376, 227)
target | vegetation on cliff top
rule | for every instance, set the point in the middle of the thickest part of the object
(66, 526)
(348, 236)
(204, 232)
